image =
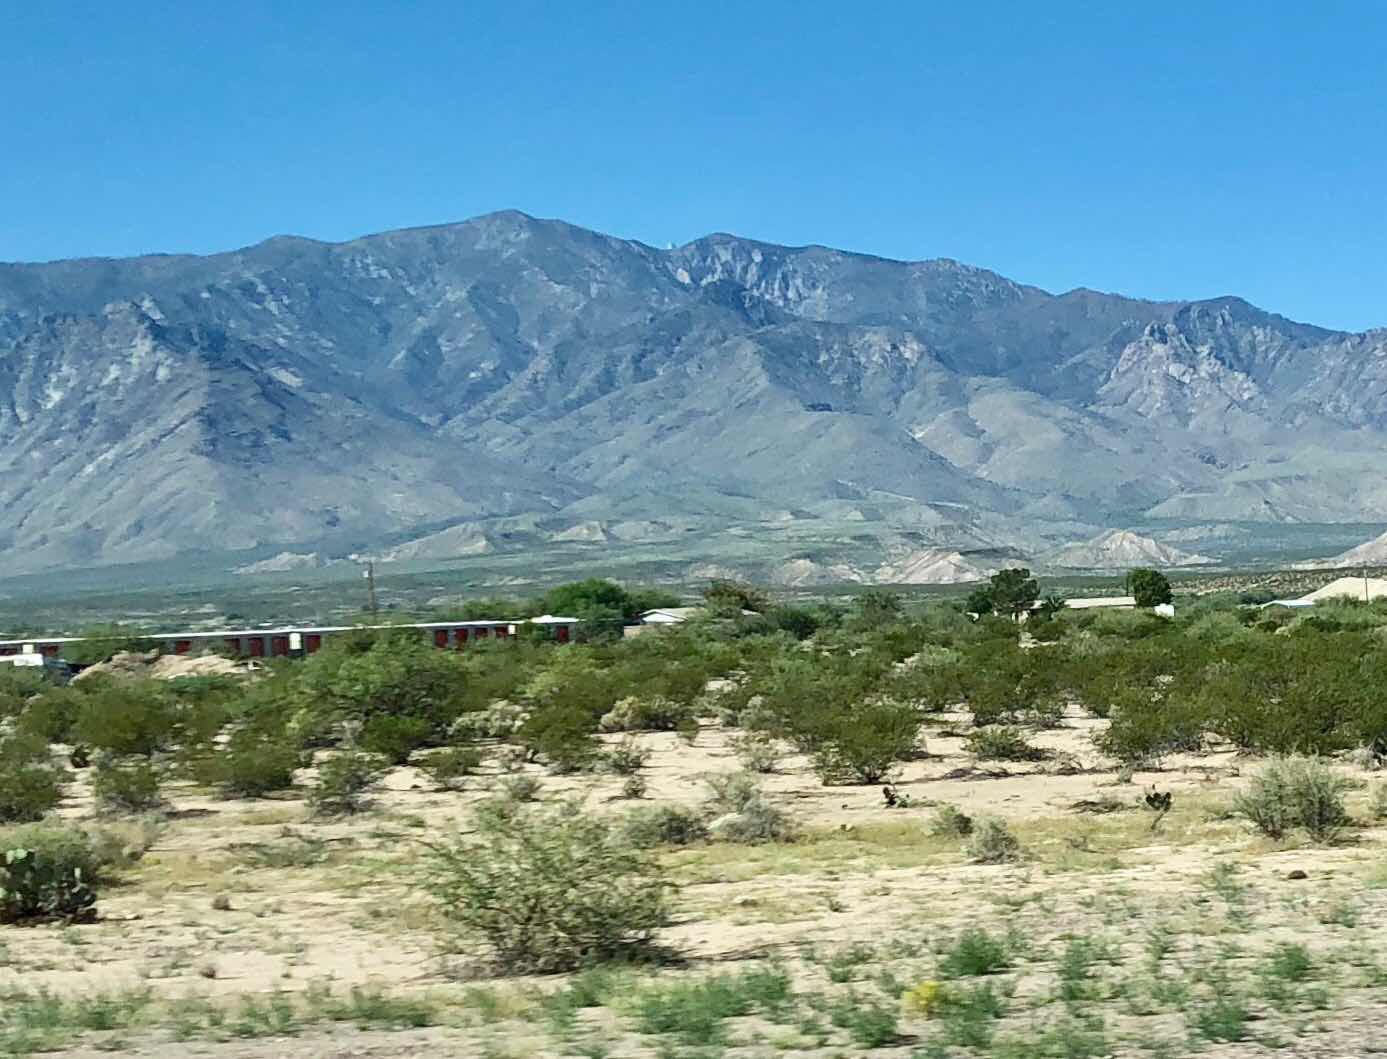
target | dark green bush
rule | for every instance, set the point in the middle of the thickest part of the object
(1002, 743)
(125, 718)
(30, 783)
(449, 766)
(395, 736)
(52, 714)
(253, 763)
(862, 746)
(126, 785)
(344, 781)
(563, 738)
(664, 825)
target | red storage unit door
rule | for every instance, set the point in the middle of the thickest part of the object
(257, 647)
(182, 647)
(232, 645)
(311, 642)
(498, 631)
(480, 634)
(440, 637)
(460, 638)
(561, 633)
(279, 646)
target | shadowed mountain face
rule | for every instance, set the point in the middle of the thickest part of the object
(298, 391)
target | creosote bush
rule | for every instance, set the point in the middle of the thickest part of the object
(126, 785)
(991, 842)
(949, 821)
(626, 758)
(664, 825)
(741, 812)
(1292, 793)
(449, 766)
(395, 736)
(30, 783)
(1002, 743)
(344, 781)
(251, 765)
(757, 752)
(548, 889)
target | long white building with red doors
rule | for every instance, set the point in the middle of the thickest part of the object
(300, 640)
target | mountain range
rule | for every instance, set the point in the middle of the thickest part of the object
(509, 382)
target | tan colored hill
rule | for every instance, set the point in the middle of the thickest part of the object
(1120, 550)
(932, 566)
(281, 563)
(1369, 553)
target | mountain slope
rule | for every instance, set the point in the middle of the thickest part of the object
(397, 385)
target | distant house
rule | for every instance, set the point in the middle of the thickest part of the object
(669, 615)
(679, 615)
(1362, 589)
(1088, 603)
(1165, 610)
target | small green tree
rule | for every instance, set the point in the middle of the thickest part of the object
(1013, 590)
(1149, 587)
(733, 597)
(980, 601)
(878, 606)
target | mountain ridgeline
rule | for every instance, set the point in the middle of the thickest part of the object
(436, 380)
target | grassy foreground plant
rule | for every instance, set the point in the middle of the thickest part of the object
(548, 889)
(1295, 792)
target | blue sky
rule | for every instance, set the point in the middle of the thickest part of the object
(1162, 150)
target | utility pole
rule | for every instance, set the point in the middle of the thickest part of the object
(370, 576)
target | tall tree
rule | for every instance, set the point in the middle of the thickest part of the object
(1150, 587)
(1013, 591)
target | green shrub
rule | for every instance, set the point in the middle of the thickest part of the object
(51, 715)
(126, 785)
(548, 889)
(653, 714)
(664, 825)
(949, 821)
(30, 784)
(741, 813)
(46, 872)
(757, 752)
(633, 787)
(1002, 743)
(19, 685)
(253, 764)
(448, 767)
(395, 736)
(395, 675)
(992, 842)
(561, 737)
(125, 718)
(626, 758)
(520, 787)
(1144, 726)
(1294, 793)
(863, 745)
(975, 952)
(343, 782)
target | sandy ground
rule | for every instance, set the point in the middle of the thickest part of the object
(241, 898)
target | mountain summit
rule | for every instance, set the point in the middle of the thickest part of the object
(296, 392)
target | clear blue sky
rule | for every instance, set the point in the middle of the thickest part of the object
(1188, 149)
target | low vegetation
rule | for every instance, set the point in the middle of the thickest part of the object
(622, 816)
